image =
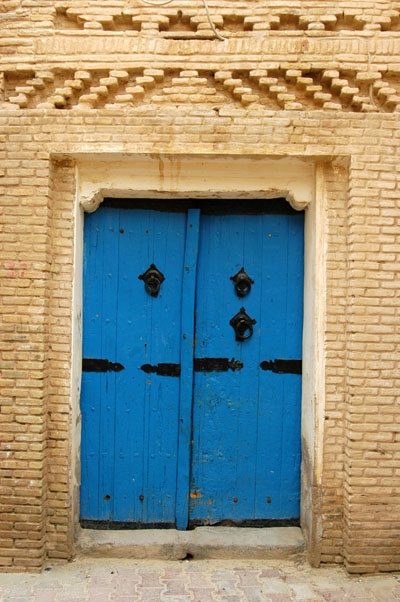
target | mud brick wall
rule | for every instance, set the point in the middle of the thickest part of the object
(291, 79)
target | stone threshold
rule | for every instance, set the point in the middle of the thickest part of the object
(200, 543)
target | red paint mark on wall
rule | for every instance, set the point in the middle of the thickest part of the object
(16, 270)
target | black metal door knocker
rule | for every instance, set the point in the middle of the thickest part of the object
(242, 324)
(242, 282)
(153, 279)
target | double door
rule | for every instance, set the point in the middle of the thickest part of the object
(191, 382)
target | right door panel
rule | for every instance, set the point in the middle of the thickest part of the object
(246, 412)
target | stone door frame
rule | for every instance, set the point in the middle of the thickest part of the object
(302, 183)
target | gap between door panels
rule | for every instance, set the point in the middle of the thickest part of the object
(207, 206)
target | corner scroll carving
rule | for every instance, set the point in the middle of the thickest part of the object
(298, 204)
(90, 202)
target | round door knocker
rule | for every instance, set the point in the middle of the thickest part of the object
(242, 282)
(242, 324)
(153, 279)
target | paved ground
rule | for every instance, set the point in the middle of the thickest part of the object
(114, 580)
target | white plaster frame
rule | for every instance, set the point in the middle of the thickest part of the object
(301, 182)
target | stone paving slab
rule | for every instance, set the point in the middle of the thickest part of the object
(123, 580)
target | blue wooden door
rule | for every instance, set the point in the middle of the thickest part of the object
(246, 418)
(129, 412)
(181, 422)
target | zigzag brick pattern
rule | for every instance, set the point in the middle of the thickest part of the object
(288, 89)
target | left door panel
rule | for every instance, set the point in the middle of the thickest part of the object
(130, 415)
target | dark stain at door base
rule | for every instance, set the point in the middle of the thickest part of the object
(126, 525)
(255, 522)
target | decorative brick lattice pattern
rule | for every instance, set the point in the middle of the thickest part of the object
(237, 20)
(189, 19)
(279, 88)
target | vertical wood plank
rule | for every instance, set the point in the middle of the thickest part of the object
(163, 392)
(108, 312)
(91, 385)
(186, 380)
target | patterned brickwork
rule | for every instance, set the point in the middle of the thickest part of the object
(373, 414)
(24, 358)
(336, 328)
(291, 80)
(234, 20)
(59, 500)
(189, 20)
(277, 87)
